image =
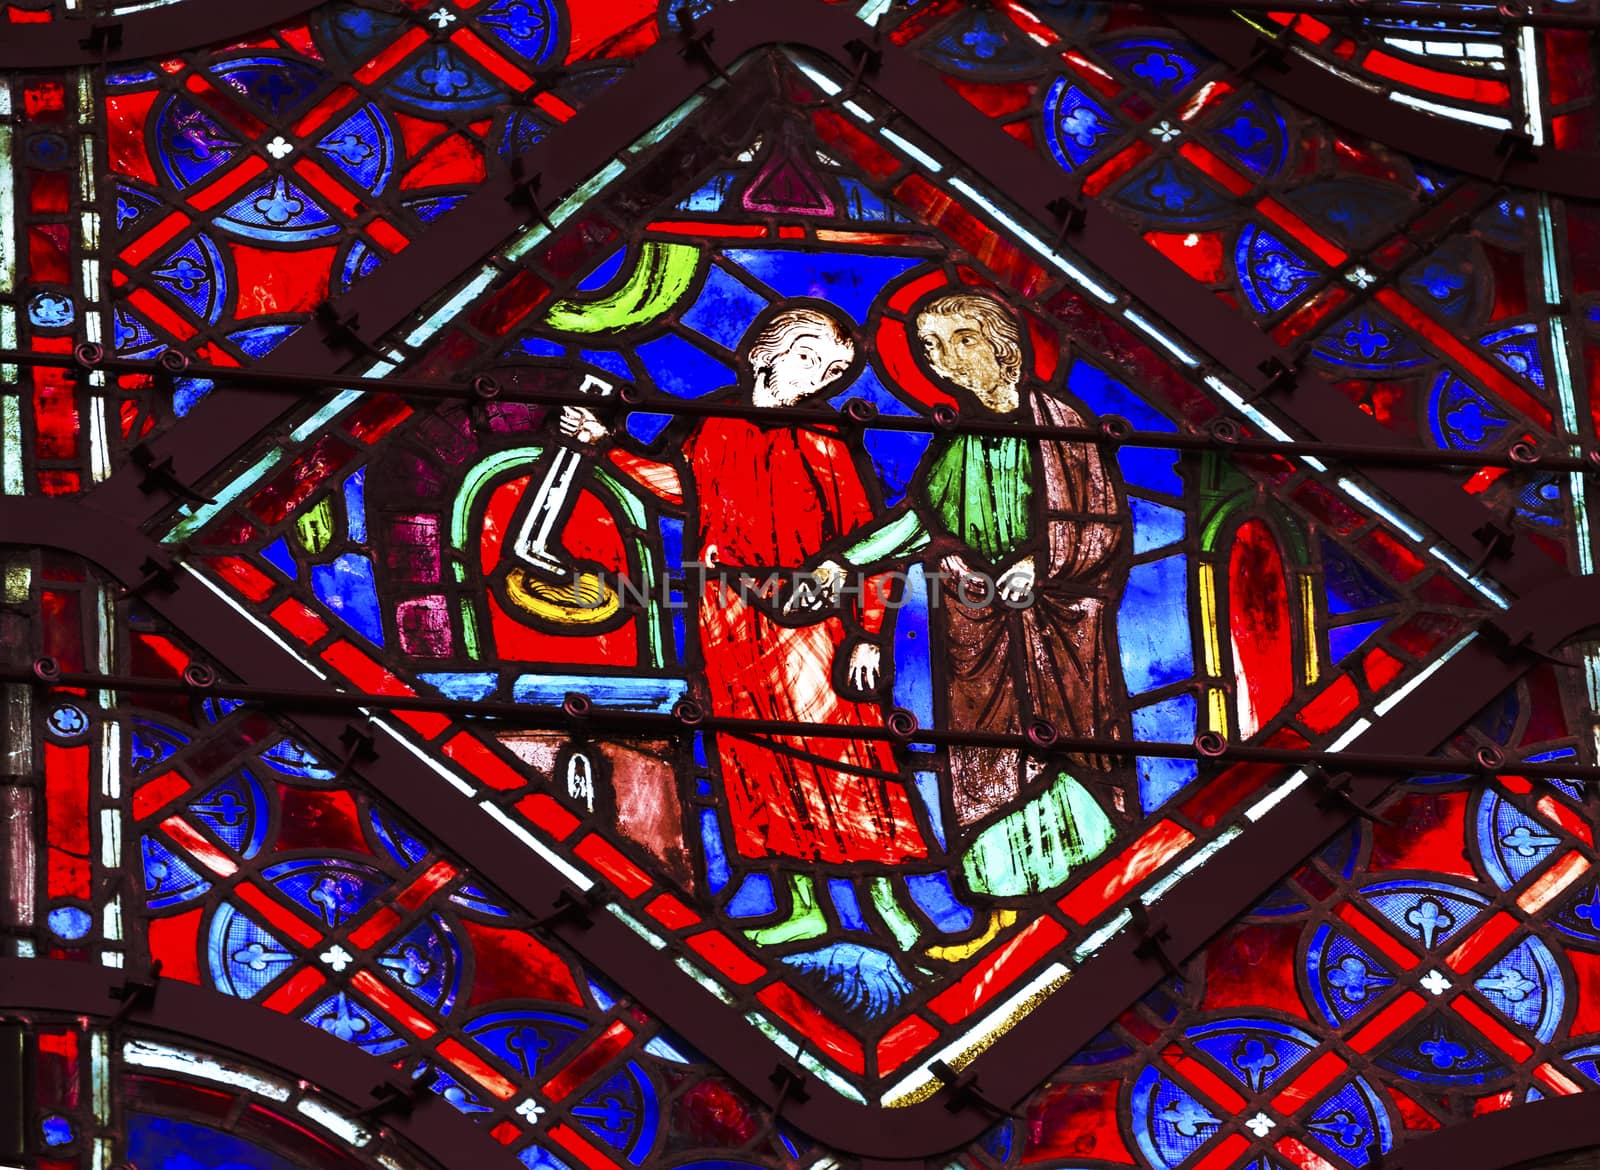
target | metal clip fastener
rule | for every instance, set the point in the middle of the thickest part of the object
(161, 475)
(135, 993)
(1153, 940)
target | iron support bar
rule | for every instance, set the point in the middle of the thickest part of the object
(653, 725)
(1112, 431)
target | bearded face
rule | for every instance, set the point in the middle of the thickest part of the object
(960, 351)
(802, 368)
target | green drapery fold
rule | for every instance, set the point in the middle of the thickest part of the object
(981, 489)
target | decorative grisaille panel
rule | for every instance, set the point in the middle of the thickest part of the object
(879, 608)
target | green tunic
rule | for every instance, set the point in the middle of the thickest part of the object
(982, 490)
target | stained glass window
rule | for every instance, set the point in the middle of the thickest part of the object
(784, 585)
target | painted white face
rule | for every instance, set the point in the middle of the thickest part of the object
(958, 350)
(808, 363)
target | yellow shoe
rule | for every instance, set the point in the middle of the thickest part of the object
(955, 952)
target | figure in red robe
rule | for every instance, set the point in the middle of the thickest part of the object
(765, 497)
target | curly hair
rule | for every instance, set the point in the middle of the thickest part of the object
(994, 321)
(780, 332)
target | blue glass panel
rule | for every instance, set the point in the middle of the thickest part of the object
(529, 28)
(861, 202)
(355, 506)
(331, 890)
(539, 1158)
(194, 274)
(168, 878)
(1155, 63)
(1154, 525)
(294, 759)
(863, 980)
(243, 956)
(432, 207)
(348, 1018)
(471, 687)
(236, 810)
(622, 1113)
(1170, 721)
(913, 655)
(982, 42)
(277, 553)
(634, 694)
(850, 280)
(278, 212)
(1445, 282)
(262, 339)
(527, 1040)
(166, 1143)
(709, 197)
(1343, 640)
(188, 391)
(1353, 1123)
(847, 905)
(1153, 625)
(1270, 272)
(1152, 470)
(1350, 584)
(426, 962)
(932, 892)
(362, 146)
(645, 427)
(1076, 126)
(1255, 135)
(347, 587)
(717, 873)
(445, 81)
(724, 308)
(754, 898)
(1346, 977)
(70, 922)
(1517, 348)
(608, 361)
(1369, 342)
(1172, 194)
(602, 273)
(677, 367)
(927, 787)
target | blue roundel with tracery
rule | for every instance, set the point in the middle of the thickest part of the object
(528, 1041)
(1272, 274)
(1077, 127)
(1346, 977)
(277, 203)
(1350, 1121)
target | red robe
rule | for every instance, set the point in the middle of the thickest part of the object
(773, 497)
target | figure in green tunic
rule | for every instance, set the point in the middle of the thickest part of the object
(1026, 533)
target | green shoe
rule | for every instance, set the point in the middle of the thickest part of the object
(806, 921)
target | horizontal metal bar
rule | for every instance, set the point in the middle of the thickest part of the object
(656, 725)
(1112, 433)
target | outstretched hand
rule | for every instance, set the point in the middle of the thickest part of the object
(1016, 583)
(863, 669)
(819, 591)
(582, 424)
